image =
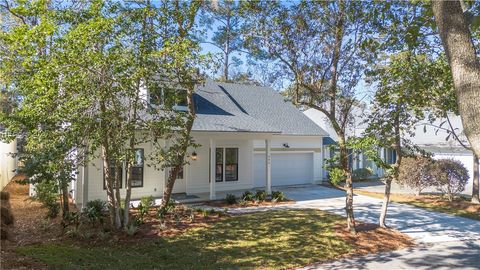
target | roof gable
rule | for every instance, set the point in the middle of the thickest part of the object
(237, 107)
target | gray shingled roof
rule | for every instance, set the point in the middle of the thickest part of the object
(229, 107)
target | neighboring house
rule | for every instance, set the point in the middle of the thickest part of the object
(8, 163)
(437, 141)
(431, 137)
(250, 137)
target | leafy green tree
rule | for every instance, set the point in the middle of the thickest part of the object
(322, 48)
(86, 87)
(401, 97)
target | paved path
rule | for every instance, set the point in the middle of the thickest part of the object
(445, 242)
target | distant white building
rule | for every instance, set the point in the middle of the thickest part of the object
(431, 137)
(434, 138)
(8, 164)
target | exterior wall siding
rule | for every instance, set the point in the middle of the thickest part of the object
(153, 179)
(8, 164)
(198, 171)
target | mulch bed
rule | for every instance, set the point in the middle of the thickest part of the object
(28, 221)
(433, 201)
(224, 204)
(175, 223)
(371, 238)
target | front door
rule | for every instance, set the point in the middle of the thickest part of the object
(181, 182)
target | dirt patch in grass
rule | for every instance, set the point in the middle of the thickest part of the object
(174, 223)
(26, 230)
(370, 238)
(458, 207)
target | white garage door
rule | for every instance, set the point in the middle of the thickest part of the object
(287, 169)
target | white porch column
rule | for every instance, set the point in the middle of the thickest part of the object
(212, 169)
(268, 167)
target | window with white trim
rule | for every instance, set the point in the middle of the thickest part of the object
(226, 164)
(137, 168)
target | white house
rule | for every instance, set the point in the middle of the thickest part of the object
(250, 137)
(8, 163)
(434, 138)
(431, 137)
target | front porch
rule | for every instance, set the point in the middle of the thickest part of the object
(224, 163)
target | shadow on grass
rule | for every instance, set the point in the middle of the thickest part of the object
(271, 240)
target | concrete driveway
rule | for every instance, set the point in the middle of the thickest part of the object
(444, 241)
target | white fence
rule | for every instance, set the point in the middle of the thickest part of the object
(8, 164)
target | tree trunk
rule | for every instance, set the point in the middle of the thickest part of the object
(457, 41)
(386, 200)
(118, 198)
(227, 52)
(476, 185)
(172, 176)
(348, 185)
(109, 185)
(184, 144)
(65, 197)
(394, 176)
(128, 188)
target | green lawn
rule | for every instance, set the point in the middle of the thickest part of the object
(268, 240)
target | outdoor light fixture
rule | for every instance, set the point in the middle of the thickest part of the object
(286, 145)
(194, 155)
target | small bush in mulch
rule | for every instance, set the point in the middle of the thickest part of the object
(231, 199)
(248, 196)
(249, 199)
(4, 196)
(6, 216)
(261, 195)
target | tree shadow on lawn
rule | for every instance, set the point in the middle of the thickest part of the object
(270, 240)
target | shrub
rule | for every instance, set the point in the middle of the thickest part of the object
(131, 229)
(450, 177)
(261, 195)
(73, 233)
(47, 193)
(362, 174)
(230, 199)
(278, 196)
(4, 195)
(161, 213)
(170, 205)
(178, 218)
(336, 176)
(247, 196)
(144, 206)
(94, 210)
(6, 215)
(147, 201)
(415, 172)
(191, 215)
